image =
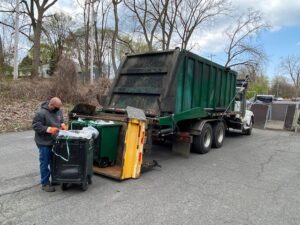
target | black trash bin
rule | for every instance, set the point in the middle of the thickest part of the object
(73, 161)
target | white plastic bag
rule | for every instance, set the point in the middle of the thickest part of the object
(87, 132)
(101, 122)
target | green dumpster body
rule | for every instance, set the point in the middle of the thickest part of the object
(107, 142)
(174, 86)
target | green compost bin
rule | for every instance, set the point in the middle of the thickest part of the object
(106, 144)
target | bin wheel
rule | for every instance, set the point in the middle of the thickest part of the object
(89, 180)
(84, 185)
(104, 162)
(218, 135)
(202, 143)
(64, 186)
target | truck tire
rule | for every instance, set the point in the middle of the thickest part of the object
(248, 131)
(202, 143)
(218, 135)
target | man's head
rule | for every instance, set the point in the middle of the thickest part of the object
(55, 104)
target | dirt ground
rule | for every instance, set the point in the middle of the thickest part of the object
(21, 99)
(17, 115)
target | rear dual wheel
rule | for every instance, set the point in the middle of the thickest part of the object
(218, 134)
(209, 137)
(202, 143)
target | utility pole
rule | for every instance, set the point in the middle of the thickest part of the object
(16, 44)
(92, 42)
(211, 57)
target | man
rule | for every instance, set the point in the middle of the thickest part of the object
(46, 124)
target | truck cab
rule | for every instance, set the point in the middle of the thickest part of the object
(246, 116)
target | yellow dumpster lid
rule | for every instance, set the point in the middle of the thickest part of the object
(135, 113)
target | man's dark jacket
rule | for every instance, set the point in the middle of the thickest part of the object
(43, 119)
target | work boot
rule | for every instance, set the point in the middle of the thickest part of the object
(48, 188)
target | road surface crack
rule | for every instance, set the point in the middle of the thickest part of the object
(30, 175)
(264, 164)
(19, 190)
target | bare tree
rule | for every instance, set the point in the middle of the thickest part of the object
(86, 16)
(115, 34)
(253, 71)
(161, 21)
(8, 8)
(6, 47)
(148, 14)
(36, 9)
(81, 38)
(280, 87)
(14, 23)
(163, 12)
(193, 13)
(1, 53)
(75, 45)
(241, 50)
(57, 30)
(290, 66)
(168, 22)
(101, 33)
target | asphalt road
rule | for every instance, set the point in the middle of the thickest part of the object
(250, 180)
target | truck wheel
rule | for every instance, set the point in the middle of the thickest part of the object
(249, 130)
(202, 142)
(218, 135)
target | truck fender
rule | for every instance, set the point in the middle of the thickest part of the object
(197, 127)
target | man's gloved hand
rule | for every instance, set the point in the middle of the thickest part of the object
(52, 130)
(64, 126)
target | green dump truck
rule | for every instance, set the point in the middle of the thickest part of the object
(187, 99)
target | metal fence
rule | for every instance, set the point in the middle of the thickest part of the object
(261, 112)
(276, 115)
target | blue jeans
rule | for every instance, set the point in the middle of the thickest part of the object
(45, 163)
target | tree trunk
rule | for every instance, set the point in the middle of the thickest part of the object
(86, 44)
(36, 48)
(81, 64)
(36, 8)
(1, 54)
(98, 51)
(114, 38)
